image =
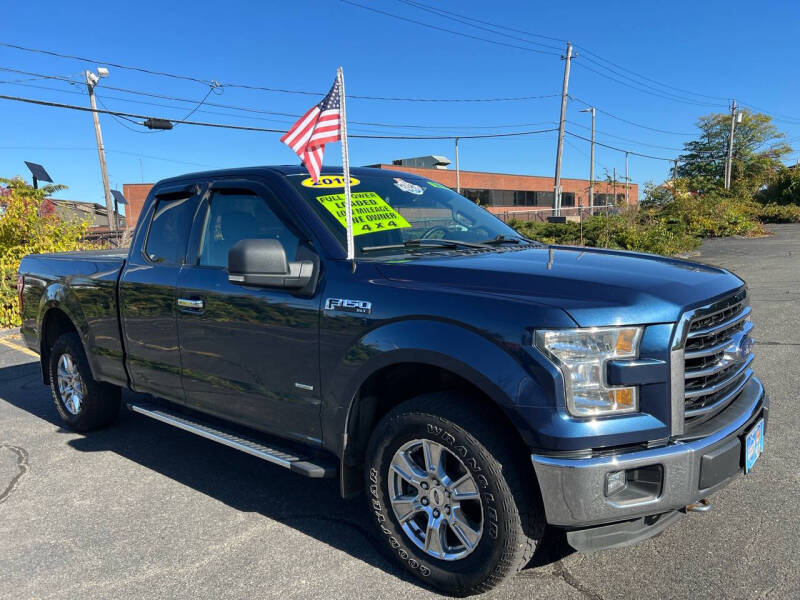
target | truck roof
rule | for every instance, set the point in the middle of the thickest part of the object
(287, 170)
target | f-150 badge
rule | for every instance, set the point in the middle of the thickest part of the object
(347, 305)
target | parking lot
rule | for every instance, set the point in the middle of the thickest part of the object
(143, 510)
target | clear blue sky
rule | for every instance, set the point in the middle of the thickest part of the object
(722, 49)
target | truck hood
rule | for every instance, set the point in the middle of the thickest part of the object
(595, 287)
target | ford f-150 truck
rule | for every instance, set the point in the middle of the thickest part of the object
(475, 385)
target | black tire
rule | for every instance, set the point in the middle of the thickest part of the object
(511, 512)
(100, 401)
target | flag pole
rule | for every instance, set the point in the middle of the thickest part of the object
(346, 169)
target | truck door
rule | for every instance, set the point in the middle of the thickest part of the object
(147, 293)
(249, 354)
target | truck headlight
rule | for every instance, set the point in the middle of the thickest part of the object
(581, 356)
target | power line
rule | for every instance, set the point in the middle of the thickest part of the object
(211, 89)
(586, 154)
(146, 103)
(528, 33)
(587, 51)
(777, 116)
(466, 21)
(258, 110)
(267, 130)
(624, 139)
(121, 120)
(665, 95)
(684, 150)
(295, 115)
(631, 152)
(89, 148)
(613, 116)
(209, 82)
(470, 21)
(460, 33)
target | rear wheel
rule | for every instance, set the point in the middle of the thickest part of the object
(83, 403)
(453, 499)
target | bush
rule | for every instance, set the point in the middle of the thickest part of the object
(783, 190)
(672, 223)
(712, 214)
(637, 231)
(779, 213)
(24, 231)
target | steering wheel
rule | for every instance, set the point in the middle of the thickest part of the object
(431, 230)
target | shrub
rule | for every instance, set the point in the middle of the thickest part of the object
(783, 189)
(713, 214)
(673, 222)
(24, 231)
(779, 213)
(640, 232)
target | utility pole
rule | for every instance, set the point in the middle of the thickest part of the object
(562, 121)
(730, 147)
(591, 162)
(675, 179)
(458, 171)
(627, 180)
(91, 81)
(615, 187)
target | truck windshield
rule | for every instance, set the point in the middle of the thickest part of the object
(395, 215)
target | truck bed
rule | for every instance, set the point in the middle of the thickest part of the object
(107, 253)
(83, 284)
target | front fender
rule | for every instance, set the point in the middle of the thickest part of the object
(497, 371)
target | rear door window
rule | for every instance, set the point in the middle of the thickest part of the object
(166, 240)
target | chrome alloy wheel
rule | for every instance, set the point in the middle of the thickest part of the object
(435, 500)
(70, 385)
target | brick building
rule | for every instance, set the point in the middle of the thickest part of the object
(500, 193)
(503, 193)
(135, 194)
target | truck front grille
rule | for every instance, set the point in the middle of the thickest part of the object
(717, 356)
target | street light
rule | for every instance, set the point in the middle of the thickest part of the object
(92, 80)
(591, 162)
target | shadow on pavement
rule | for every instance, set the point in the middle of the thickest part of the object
(245, 483)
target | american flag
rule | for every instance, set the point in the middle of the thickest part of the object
(320, 125)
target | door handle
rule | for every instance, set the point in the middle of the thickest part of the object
(190, 303)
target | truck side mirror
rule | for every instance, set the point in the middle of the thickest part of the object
(262, 263)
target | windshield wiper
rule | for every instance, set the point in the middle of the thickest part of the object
(504, 239)
(431, 243)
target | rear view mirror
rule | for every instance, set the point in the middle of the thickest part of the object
(263, 263)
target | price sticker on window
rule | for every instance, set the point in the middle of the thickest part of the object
(371, 213)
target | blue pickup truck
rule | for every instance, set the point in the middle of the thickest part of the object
(474, 385)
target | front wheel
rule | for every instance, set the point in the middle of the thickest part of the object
(452, 498)
(83, 403)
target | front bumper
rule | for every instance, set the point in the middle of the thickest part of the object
(574, 489)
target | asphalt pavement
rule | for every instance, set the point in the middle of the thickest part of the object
(142, 510)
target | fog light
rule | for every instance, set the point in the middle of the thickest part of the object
(615, 482)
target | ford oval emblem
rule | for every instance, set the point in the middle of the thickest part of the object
(740, 347)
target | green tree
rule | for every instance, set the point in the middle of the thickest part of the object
(656, 195)
(23, 230)
(783, 189)
(757, 150)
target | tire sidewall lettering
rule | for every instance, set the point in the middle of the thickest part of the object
(491, 516)
(381, 518)
(462, 451)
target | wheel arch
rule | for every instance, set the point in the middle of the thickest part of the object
(438, 356)
(55, 322)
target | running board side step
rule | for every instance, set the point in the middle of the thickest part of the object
(304, 465)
